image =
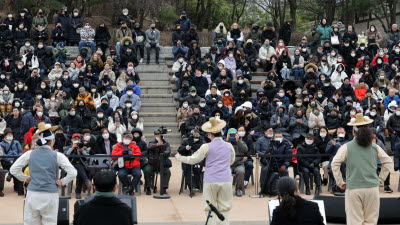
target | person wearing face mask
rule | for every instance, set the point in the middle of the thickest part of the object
(351, 35)
(335, 37)
(309, 164)
(328, 89)
(117, 124)
(363, 52)
(61, 140)
(40, 117)
(345, 50)
(86, 97)
(131, 165)
(377, 124)
(269, 34)
(6, 99)
(183, 114)
(20, 72)
(192, 173)
(280, 121)
(178, 35)
(298, 126)
(254, 125)
(192, 98)
(393, 126)
(99, 122)
(184, 21)
(368, 101)
(263, 143)
(392, 36)
(104, 105)
(104, 143)
(195, 121)
(235, 35)
(316, 118)
(84, 113)
(88, 140)
(65, 103)
(87, 34)
(135, 100)
(374, 39)
(71, 123)
(156, 147)
(137, 138)
(102, 37)
(152, 41)
(338, 76)
(41, 19)
(41, 204)
(113, 100)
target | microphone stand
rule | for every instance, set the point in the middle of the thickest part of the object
(208, 216)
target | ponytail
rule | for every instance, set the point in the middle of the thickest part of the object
(288, 204)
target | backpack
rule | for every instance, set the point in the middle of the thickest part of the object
(269, 183)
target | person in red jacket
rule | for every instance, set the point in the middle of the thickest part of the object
(360, 89)
(130, 165)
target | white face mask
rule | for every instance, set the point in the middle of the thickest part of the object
(75, 142)
(9, 15)
(27, 44)
(185, 105)
(281, 44)
(128, 105)
(193, 94)
(362, 48)
(53, 99)
(202, 105)
(379, 61)
(127, 141)
(20, 67)
(353, 113)
(240, 81)
(322, 134)
(281, 94)
(303, 49)
(86, 138)
(20, 86)
(3, 76)
(100, 115)
(353, 55)
(230, 55)
(227, 95)
(372, 29)
(43, 86)
(381, 54)
(220, 105)
(270, 135)
(309, 142)
(180, 60)
(158, 139)
(241, 133)
(298, 104)
(347, 45)
(130, 67)
(109, 93)
(341, 135)
(39, 97)
(9, 138)
(397, 50)
(278, 103)
(59, 85)
(75, 85)
(217, 117)
(39, 114)
(398, 113)
(134, 117)
(298, 91)
(339, 60)
(129, 93)
(106, 136)
(75, 14)
(125, 13)
(72, 113)
(382, 77)
(17, 104)
(372, 113)
(278, 140)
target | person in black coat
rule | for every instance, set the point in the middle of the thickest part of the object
(105, 207)
(294, 210)
(195, 121)
(351, 35)
(105, 138)
(285, 32)
(102, 36)
(187, 148)
(269, 33)
(72, 123)
(321, 140)
(129, 56)
(137, 138)
(178, 34)
(125, 17)
(58, 35)
(194, 50)
(309, 164)
(200, 83)
(5, 34)
(39, 34)
(82, 111)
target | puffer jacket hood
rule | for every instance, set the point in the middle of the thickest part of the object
(137, 130)
(123, 40)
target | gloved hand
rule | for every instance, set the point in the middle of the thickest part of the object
(188, 147)
(311, 166)
(396, 168)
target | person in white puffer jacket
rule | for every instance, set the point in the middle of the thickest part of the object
(338, 76)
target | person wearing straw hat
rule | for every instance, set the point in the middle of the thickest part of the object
(217, 183)
(41, 204)
(362, 181)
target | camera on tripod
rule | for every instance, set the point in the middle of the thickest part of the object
(161, 130)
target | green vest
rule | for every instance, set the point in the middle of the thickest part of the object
(361, 166)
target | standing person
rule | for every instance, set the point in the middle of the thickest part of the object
(184, 21)
(125, 17)
(285, 32)
(41, 204)
(362, 181)
(325, 31)
(152, 41)
(220, 155)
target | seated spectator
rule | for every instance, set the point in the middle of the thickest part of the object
(220, 33)
(21, 34)
(129, 56)
(255, 36)
(123, 35)
(297, 62)
(130, 166)
(47, 62)
(104, 143)
(269, 34)
(134, 121)
(194, 51)
(195, 121)
(360, 89)
(87, 34)
(393, 126)
(8, 55)
(205, 110)
(235, 35)
(55, 73)
(178, 35)
(11, 147)
(30, 60)
(39, 34)
(58, 35)
(290, 210)
(310, 164)
(237, 167)
(152, 41)
(108, 111)
(71, 122)
(75, 24)
(183, 114)
(61, 54)
(191, 35)
(280, 121)
(223, 81)
(116, 125)
(213, 98)
(135, 100)
(179, 50)
(105, 200)
(80, 164)
(298, 127)
(348, 91)
(316, 119)
(391, 97)
(84, 113)
(27, 47)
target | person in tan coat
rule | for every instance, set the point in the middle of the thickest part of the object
(183, 114)
(124, 31)
(374, 38)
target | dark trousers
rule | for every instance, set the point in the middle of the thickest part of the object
(248, 166)
(123, 176)
(295, 168)
(1, 180)
(18, 185)
(387, 181)
(81, 178)
(196, 179)
(148, 48)
(393, 139)
(182, 128)
(266, 170)
(306, 176)
(149, 176)
(140, 48)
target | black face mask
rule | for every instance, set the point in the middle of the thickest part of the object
(178, 30)
(196, 114)
(136, 139)
(104, 105)
(59, 135)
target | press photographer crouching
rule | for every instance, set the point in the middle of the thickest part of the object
(187, 148)
(157, 147)
(80, 164)
(128, 165)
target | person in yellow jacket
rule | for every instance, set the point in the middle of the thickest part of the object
(85, 96)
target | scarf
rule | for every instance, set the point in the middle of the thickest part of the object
(104, 194)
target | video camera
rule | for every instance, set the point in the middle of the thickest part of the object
(161, 130)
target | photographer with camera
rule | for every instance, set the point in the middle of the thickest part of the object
(80, 164)
(131, 164)
(157, 147)
(187, 148)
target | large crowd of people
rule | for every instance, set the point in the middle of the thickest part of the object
(302, 106)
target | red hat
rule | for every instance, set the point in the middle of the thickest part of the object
(76, 135)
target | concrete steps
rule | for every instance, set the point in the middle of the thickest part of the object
(156, 89)
(158, 107)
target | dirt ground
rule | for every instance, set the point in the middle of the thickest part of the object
(177, 209)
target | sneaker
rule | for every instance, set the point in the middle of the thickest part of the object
(148, 62)
(325, 181)
(246, 183)
(148, 191)
(317, 191)
(238, 193)
(78, 196)
(380, 185)
(8, 179)
(1, 193)
(387, 190)
(141, 60)
(308, 192)
(297, 177)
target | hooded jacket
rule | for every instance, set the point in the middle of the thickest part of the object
(129, 163)
(284, 121)
(254, 34)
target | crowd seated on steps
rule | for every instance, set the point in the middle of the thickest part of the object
(95, 98)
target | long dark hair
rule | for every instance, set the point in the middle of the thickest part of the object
(364, 135)
(286, 188)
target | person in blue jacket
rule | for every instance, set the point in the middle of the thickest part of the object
(132, 84)
(391, 97)
(285, 100)
(184, 21)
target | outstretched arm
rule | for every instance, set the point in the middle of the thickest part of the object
(197, 157)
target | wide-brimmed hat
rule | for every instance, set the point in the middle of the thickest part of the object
(42, 127)
(360, 120)
(213, 125)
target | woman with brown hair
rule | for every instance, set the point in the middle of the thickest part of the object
(362, 181)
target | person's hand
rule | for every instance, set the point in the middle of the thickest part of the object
(252, 132)
(188, 147)
(245, 159)
(58, 183)
(160, 143)
(343, 186)
(317, 120)
(177, 155)
(56, 150)
(80, 150)
(12, 162)
(283, 167)
(98, 123)
(333, 142)
(89, 149)
(117, 124)
(278, 122)
(28, 179)
(300, 121)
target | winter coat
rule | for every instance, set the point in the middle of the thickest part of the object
(312, 124)
(76, 23)
(72, 123)
(64, 105)
(183, 115)
(194, 146)
(325, 31)
(11, 149)
(21, 35)
(309, 162)
(136, 103)
(360, 91)
(298, 130)
(62, 35)
(65, 20)
(121, 33)
(87, 34)
(192, 122)
(392, 38)
(129, 163)
(393, 124)
(127, 19)
(338, 78)
(316, 41)
(136, 90)
(268, 33)
(233, 35)
(102, 35)
(240, 149)
(178, 36)
(185, 24)
(284, 123)
(33, 63)
(285, 33)
(27, 122)
(374, 38)
(266, 52)
(61, 54)
(152, 36)
(254, 35)
(39, 35)
(112, 128)
(333, 122)
(42, 20)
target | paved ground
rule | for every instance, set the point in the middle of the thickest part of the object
(179, 209)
